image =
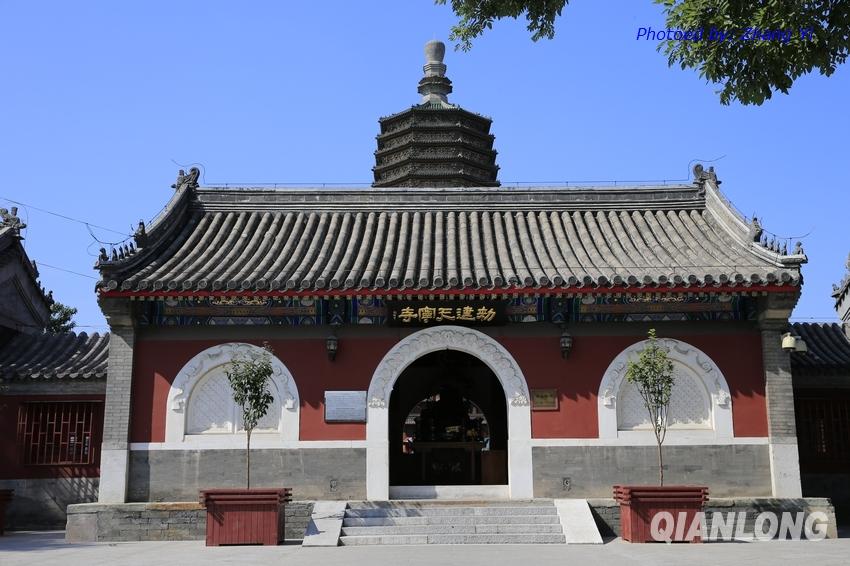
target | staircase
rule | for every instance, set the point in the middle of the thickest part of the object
(451, 522)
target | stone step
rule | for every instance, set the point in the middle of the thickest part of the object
(450, 511)
(418, 503)
(451, 520)
(453, 539)
(452, 529)
(455, 522)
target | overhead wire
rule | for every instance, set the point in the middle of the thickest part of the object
(66, 217)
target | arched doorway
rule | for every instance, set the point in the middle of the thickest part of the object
(495, 357)
(448, 423)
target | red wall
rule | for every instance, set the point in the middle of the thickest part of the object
(11, 458)
(158, 362)
(576, 378)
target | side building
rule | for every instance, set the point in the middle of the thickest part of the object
(822, 392)
(51, 397)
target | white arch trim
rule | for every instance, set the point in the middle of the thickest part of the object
(694, 359)
(472, 342)
(190, 375)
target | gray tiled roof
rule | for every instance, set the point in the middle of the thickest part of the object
(829, 348)
(10, 245)
(417, 240)
(54, 356)
(20, 288)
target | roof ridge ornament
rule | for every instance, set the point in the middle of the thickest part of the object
(188, 181)
(701, 175)
(755, 232)
(9, 219)
(838, 290)
(435, 86)
(140, 235)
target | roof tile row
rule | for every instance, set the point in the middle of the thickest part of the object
(446, 249)
(54, 356)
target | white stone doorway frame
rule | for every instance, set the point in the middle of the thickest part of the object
(475, 343)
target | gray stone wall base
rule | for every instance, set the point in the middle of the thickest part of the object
(730, 470)
(312, 473)
(39, 504)
(100, 522)
(606, 512)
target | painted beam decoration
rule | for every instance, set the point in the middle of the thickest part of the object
(235, 310)
(472, 312)
(652, 307)
(419, 311)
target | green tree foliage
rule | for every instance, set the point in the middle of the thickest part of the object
(249, 378)
(61, 318)
(476, 16)
(748, 71)
(652, 375)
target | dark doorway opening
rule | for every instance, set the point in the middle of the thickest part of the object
(448, 423)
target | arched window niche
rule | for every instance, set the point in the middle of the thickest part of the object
(201, 412)
(700, 407)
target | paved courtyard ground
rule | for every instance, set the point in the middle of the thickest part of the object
(51, 549)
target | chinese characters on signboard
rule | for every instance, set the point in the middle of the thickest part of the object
(544, 399)
(427, 313)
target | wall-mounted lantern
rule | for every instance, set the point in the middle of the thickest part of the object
(332, 345)
(566, 342)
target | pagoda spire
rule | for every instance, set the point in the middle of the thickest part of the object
(435, 86)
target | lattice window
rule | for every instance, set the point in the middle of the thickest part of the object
(60, 432)
(213, 411)
(823, 432)
(690, 404)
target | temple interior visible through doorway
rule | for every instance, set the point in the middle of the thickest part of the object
(448, 423)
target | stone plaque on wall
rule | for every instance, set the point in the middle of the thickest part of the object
(345, 406)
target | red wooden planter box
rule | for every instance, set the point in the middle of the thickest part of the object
(640, 503)
(245, 516)
(5, 498)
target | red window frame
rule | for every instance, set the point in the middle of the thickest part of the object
(60, 433)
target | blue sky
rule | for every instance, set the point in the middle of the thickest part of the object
(99, 100)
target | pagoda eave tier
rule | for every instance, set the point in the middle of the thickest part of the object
(439, 173)
(425, 114)
(439, 137)
(433, 152)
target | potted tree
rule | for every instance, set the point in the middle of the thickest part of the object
(653, 376)
(247, 516)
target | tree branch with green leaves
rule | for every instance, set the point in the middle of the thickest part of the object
(747, 71)
(653, 377)
(61, 318)
(249, 376)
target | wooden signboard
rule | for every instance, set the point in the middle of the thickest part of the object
(470, 312)
(544, 399)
